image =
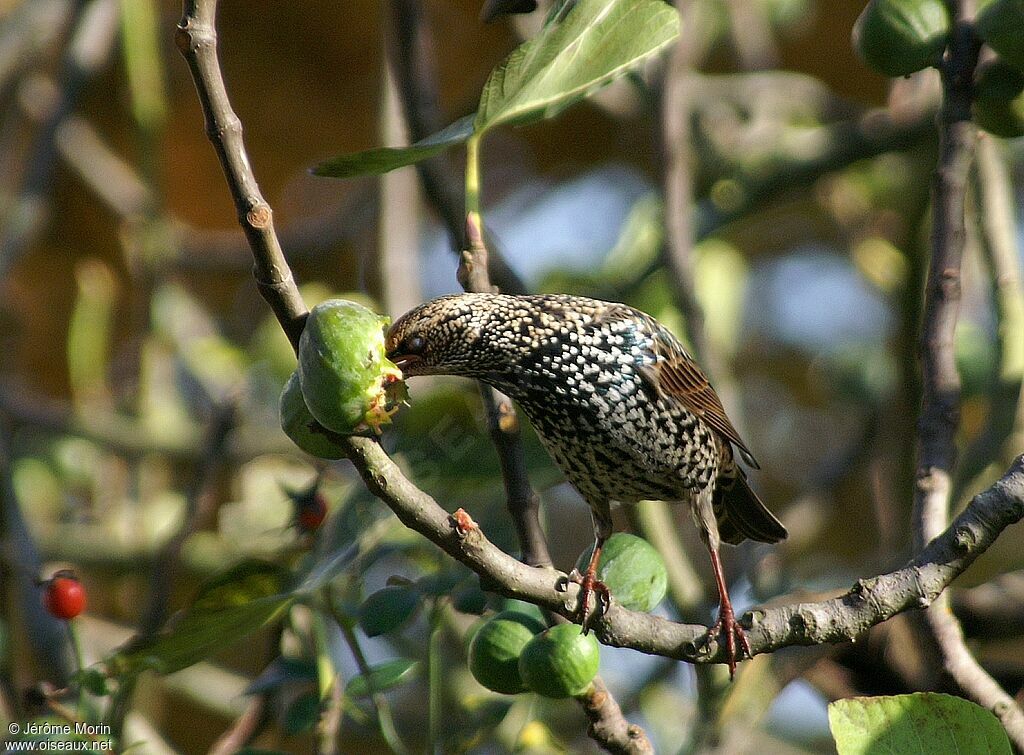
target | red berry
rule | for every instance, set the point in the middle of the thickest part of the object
(64, 596)
(311, 514)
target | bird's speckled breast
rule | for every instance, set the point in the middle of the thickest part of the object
(615, 439)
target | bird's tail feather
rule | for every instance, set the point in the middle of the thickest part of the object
(741, 514)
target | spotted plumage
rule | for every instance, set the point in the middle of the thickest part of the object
(621, 407)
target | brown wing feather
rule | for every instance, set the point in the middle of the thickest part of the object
(676, 376)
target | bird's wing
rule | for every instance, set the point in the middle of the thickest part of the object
(675, 376)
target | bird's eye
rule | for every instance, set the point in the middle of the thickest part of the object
(414, 345)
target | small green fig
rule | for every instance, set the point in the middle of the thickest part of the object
(560, 662)
(298, 424)
(999, 99)
(1001, 24)
(631, 569)
(900, 37)
(348, 383)
(495, 649)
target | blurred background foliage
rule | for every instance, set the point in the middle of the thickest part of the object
(141, 370)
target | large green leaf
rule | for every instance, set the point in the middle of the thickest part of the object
(598, 41)
(924, 722)
(226, 609)
(375, 162)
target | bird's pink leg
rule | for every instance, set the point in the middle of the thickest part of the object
(727, 618)
(590, 584)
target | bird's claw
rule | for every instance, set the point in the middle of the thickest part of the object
(733, 632)
(589, 585)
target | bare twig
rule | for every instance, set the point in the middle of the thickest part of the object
(676, 114)
(27, 31)
(607, 724)
(400, 210)
(940, 410)
(411, 61)
(867, 603)
(196, 37)
(87, 52)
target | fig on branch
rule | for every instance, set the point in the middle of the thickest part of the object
(495, 649)
(299, 425)
(560, 662)
(1001, 24)
(999, 99)
(900, 37)
(348, 383)
(631, 569)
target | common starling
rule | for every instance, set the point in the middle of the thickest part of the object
(622, 408)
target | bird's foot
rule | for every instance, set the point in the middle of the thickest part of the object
(734, 634)
(589, 586)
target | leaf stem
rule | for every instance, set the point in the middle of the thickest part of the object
(76, 650)
(473, 183)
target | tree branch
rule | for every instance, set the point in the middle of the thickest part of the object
(411, 61)
(940, 406)
(95, 30)
(196, 38)
(675, 124)
(413, 68)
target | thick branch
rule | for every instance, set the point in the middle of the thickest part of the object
(867, 603)
(940, 403)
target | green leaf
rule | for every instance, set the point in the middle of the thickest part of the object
(382, 677)
(387, 610)
(921, 722)
(598, 41)
(233, 605)
(380, 160)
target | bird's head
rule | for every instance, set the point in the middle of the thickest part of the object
(444, 336)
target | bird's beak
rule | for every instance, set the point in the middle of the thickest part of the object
(404, 361)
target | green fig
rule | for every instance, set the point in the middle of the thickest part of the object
(495, 649)
(560, 662)
(900, 37)
(348, 383)
(999, 99)
(299, 425)
(632, 570)
(1001, 24)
